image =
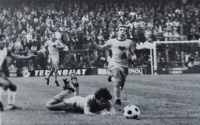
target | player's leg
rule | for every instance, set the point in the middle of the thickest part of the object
(11, 95)
(68, 85)
(3, 88)
(56, 74)
(2, 91)
(75, 84)
(48, 76)
(51, 71)
(56, 103)
(55, 62)
(118, 83)
(109, 74)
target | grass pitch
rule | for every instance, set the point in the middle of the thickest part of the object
(162, 99)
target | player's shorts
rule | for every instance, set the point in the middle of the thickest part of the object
(77, 102)
(121, 68)
(54, 59)
(3, 82)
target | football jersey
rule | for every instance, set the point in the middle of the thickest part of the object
(120, 50)
(84, 102)
(53, 47)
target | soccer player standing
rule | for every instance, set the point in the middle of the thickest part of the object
(122, 49)
(5, 82)
(53, 46)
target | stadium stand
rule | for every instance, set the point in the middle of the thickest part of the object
(27, 25)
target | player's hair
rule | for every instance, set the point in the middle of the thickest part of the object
(103, 93)
(121, 26)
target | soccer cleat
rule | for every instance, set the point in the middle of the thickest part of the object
(109, 78)
(67, 85)
(1, 107)
(47, 81)
(12, 107)
(56, 82)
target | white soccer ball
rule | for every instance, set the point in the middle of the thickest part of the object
(131, 112)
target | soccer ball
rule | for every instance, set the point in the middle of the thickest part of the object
(131, 112)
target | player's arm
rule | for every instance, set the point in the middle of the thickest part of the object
(106, 46)
(18, 57)
(46, 45)
(87, 107)
(110, 109)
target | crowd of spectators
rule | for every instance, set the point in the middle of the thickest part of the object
(28, 25)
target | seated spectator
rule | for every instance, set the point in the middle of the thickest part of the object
(168, 35)
(73, 43)
(18, 44)
(70, 60)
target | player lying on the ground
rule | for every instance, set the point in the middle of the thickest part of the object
(99, 103)
(5, 83)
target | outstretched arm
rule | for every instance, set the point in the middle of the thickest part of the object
(18, 57)
(110, 109)
(106, 46)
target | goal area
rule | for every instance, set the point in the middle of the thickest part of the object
(175, 57)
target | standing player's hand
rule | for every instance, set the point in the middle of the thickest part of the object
(32, 56)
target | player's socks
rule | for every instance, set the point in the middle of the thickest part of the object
(109, 78)
(1, 107)
(76, 88)
(11, 97)
(118, 104)
(56, 82)
(75, 84)
(47, 81)
(2, 91)
(74, 80)
(67, 85)
(11, 100)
